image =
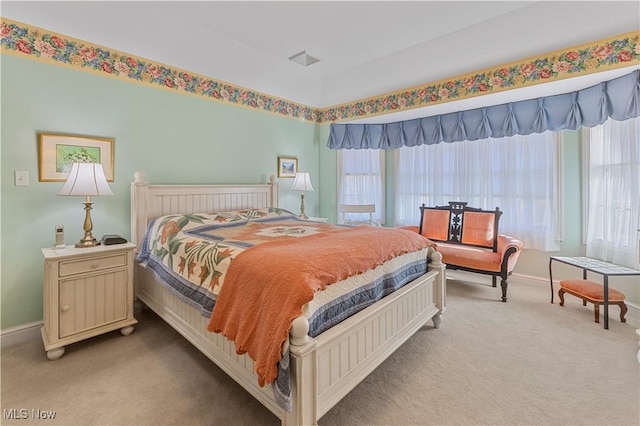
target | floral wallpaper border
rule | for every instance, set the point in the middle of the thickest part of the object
(39, 44)
(616, 52)
(35, 43)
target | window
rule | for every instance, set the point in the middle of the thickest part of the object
(361, 180)
(612, 187)
(518, 174)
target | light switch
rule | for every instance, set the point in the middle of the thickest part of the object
(22, 178)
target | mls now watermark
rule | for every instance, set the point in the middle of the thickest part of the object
(24, 414)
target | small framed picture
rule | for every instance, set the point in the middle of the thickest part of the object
(287, 167)
(57, 152)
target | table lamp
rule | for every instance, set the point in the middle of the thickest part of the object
(302, 182)
(86, 179)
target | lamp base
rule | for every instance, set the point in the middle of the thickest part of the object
(302, 215)
(87, 242)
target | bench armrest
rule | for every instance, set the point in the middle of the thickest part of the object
(510, 247)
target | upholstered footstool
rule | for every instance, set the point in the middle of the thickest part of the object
(592, 292)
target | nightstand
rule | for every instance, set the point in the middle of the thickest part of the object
(87, 292)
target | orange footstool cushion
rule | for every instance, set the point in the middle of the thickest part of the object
(590, 291)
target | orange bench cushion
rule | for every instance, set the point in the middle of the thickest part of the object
(470, 257)
(591, 290)
(435, 224)
(479, 228)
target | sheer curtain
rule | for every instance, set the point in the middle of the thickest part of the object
(518, 174)
(613, 214)
(361, 181)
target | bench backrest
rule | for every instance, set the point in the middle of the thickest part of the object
(459, 224)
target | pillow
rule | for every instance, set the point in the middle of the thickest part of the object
(256, 214)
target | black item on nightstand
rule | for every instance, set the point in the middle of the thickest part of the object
(111, 239)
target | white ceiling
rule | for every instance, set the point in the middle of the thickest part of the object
(366, 48)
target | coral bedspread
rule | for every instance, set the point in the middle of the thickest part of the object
(267, 285)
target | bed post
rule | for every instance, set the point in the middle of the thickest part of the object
(139, 208)
(439, 286)
(274, 191)
(303, 365)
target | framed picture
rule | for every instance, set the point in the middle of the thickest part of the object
(57, 152)
(287, 167)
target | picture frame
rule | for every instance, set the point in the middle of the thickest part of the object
(57, 152)
(287, 167)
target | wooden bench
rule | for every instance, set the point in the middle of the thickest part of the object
(592, 292)
(468, 239)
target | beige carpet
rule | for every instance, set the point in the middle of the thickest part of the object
(525, 362)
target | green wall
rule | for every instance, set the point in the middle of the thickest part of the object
(173, 138)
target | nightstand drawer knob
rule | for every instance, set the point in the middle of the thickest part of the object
(94, 265)
(65, 308)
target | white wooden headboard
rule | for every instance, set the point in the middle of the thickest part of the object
(151, 201)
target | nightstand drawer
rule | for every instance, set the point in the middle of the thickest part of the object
(95, 264)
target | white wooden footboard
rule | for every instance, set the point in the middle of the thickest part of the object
(328, 367)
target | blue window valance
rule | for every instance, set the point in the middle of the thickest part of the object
(618, 99)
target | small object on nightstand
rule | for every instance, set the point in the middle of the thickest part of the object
(111, 239)
(59, 238)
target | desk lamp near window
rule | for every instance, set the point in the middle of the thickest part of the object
(302, 183)
(86, 179)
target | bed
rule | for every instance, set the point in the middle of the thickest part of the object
(322, 369)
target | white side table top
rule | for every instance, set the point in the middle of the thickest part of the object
(318, 219)
(71, 250)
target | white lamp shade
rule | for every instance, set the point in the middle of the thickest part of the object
(302, 182)
(86, 179)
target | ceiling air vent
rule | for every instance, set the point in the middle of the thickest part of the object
(303, 58)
